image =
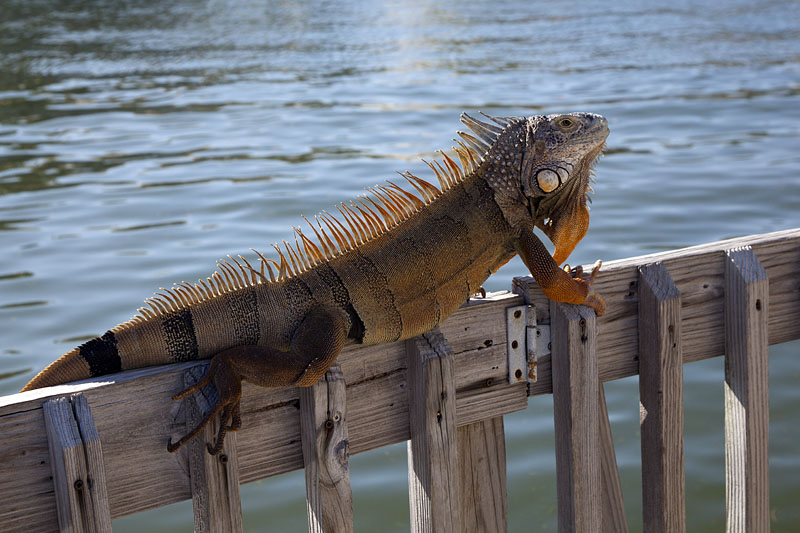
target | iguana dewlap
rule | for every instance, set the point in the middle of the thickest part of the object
(392, 266)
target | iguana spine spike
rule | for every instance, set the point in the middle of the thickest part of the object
(227, 271)
(284, 269)
(462, 157)
(350, 239)
(387, 218)
(339, 238)
(500, 121)
(325, 251)
(165, 301)
(422, 192)
(330, 247)
(418, 204)
(455, 171)
(442, 183)
(311, 249)
(288, 248)
(358, 231)
(253, 271)
(431, 192)
(471, 122)
(373, 216)
(474, 142)
(392, 209)
(305, 261)
(371, 226)
(397, 201)
(445, 173)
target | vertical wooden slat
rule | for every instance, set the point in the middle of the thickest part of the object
(432, 451)
(613, 505)
(746, 393)
(661, 401)
(326, 454)
(577, 433)
(82, 506)
(482, 473)
(214, 479)
(95, 487)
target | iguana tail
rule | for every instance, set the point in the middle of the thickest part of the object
(69, 367)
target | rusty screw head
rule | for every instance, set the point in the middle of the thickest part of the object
(223, 459)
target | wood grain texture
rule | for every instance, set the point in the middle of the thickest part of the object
(482, 476)
(575, 406)
(78, 474)
(214, 480)
(698, 272)
(746, 393)
(614, 520)
(661, 401)
(433, 490)
(326, 454)
(95, 489)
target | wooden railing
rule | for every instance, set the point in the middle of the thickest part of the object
(77, 456)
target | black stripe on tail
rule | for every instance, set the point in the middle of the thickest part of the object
(102, 355)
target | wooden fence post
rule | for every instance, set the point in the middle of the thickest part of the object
(746, 392)
(661, 401)
(432, 451)
(214, 478)
(575, 399)
(77, 462)
(326, 454)
(482, 476)
(613, 505)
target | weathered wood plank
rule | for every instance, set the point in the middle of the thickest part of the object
(69, 466)
(326, 454)
(433, 490)
(661, 401)
(577, 432)
(78, 473)
(698, 272)
(95, 488)
(482, 476)
(214, 480)
(613, 506)
(746, 393)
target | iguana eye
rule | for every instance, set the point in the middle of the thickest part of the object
(565, 123)
(547, 180)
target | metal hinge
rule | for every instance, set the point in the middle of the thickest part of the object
(527, 343)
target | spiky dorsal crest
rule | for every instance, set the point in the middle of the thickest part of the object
(365, 218)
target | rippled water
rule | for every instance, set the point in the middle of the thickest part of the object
(141, 141)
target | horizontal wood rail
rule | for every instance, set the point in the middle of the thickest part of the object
(382, 399)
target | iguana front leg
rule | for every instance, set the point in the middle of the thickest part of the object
(557, 283)
(315, 345)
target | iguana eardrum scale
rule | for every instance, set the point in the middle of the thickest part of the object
(396, 266)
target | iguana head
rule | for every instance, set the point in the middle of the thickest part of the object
(556, 173)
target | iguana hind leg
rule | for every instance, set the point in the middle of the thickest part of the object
(315, 345)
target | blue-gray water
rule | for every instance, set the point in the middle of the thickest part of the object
(141, 141)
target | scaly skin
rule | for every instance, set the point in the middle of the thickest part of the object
(398, 266)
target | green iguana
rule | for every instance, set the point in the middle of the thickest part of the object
(394, 266)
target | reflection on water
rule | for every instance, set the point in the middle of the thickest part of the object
(141, 141)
